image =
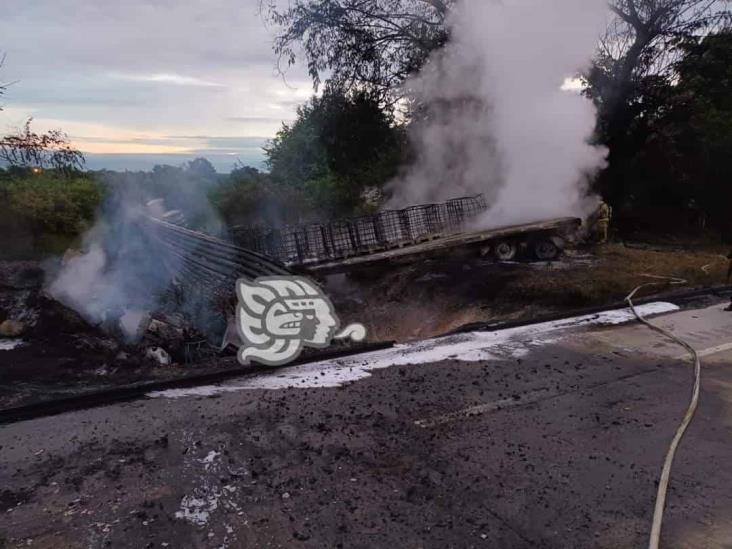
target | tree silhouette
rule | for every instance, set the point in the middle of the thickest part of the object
(28, 149)
(373, 44)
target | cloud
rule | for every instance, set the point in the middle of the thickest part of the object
(119, 75)
(168, 78)
(200, 145)
(227, 141)
(249, 119)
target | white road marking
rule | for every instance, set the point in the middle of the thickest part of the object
(710, 351)
(480, 409)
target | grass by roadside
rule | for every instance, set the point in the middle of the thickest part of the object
(434, 297)
(614, 271)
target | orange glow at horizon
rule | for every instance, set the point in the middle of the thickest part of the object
(130, 147)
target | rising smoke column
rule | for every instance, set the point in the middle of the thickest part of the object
(121, 273)
(495, 118)
(119, 276)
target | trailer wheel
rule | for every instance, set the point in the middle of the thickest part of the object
(505, 251)
(545, 250)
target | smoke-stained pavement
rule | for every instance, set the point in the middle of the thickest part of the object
(559, 446)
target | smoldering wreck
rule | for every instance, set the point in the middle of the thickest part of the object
(147, 293)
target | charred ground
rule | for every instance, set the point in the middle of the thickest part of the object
(61, 354)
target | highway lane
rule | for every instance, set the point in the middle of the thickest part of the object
(540, 436)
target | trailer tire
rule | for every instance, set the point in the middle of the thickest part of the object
(505, 250)
(545, 250)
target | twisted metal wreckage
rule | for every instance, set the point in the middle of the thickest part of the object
(208, 262)
(210, 266)
(319, 242)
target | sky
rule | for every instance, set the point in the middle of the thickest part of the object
(142, 82)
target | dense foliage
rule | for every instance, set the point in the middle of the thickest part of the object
(249, 197)
(673, 166)
(341, 145)
(48, 201)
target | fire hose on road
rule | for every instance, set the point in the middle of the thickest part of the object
(663, 482)
(212, 263)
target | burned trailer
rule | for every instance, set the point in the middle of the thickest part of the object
(407, 235)
(539, 241)
(344, 238)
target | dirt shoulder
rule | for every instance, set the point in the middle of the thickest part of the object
(435, 297)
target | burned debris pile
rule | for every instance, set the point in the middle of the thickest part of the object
(33, 323)
(146, 298)
(146, 291)
(19, 281)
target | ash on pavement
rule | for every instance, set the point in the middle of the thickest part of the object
(560, 446)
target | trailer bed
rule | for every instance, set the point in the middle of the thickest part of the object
(442, 245)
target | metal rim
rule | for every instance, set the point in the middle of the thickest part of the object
(505, 251)
(546, 250)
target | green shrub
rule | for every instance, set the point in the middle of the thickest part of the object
(49, 202)
(250, 197)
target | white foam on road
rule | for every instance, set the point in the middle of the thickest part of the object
(206, 500)
(470, 347)
(197, 510)
(10, 344)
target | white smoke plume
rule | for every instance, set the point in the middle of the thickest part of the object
(117, 275)
(120, 273)
(496, 119)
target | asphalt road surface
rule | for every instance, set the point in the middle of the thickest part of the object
(544, 436)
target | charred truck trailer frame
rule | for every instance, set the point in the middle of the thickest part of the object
(425, 229)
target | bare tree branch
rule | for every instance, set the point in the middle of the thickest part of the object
(28, 149)
(373, 44)
(639, 55)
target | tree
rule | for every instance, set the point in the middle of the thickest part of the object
(201, 168)
(296, 154)
(637, 58)
(28, 149)
(674, 168)
(643, 41)
(701, 122)
(340, 144)
(248, 197)
(371, 44)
